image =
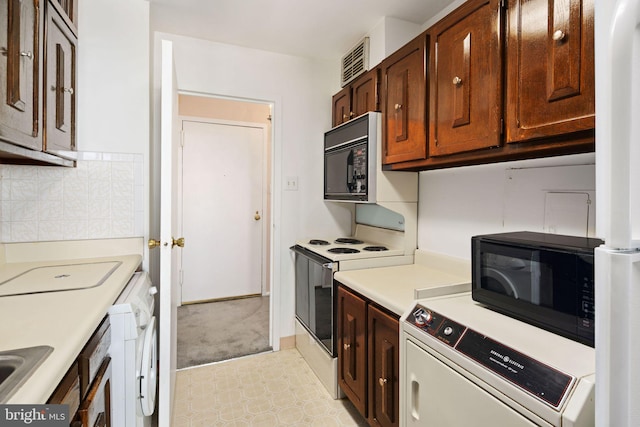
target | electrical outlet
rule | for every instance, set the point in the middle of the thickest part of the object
(291, 183)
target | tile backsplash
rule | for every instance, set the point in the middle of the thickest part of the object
(100, 198)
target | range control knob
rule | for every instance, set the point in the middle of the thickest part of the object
(422, 317)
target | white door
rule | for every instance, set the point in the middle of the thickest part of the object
(170, 139)
(222, 210)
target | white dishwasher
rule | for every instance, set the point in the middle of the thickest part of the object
(462, 364)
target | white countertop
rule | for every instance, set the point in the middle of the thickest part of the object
(63, 320)
(395, 288)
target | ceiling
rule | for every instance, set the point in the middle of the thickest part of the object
(324, 29)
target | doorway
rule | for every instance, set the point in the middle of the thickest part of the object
(224, 209)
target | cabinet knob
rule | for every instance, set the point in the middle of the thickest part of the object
(398, 107)
(27, 54)
(69, 90)
(559, 35)
(347, 346)
(345, 117)
(457, 81)
(382, 381)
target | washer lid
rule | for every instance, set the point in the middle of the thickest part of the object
(148, 373)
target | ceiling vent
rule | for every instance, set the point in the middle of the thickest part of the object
(356, 61)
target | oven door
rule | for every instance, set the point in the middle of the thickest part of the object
(314, 295)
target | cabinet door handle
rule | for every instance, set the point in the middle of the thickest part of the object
(398, 107)
(559, 35)
(346, 346)
(457, 81)
(27, 54)
(69, 90)
(382, 381)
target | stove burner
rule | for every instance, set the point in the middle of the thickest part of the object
(343, 250)
(375, 248)
(318, 242)
(349, 241)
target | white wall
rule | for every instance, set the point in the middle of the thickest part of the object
(457, 203)
(300, 90)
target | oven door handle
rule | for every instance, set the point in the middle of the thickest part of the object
(313, 256)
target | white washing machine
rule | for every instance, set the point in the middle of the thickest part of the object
(133, 354)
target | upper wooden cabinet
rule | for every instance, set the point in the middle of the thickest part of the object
(404, 126)
(37, 81)
(508, 80)
(357, 98)
(20, 57)
(550, 68)
(59, 85)
(465, 75)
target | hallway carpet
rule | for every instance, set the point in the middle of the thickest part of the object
(222, 330)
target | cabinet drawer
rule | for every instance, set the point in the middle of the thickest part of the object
(92, 355)
(95, 411)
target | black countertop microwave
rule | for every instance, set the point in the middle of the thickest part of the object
(546, 280)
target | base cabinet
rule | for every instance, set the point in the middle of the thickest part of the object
(368, 365)
(86, 387)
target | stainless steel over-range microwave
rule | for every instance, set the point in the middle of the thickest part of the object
(350, 159)
(546, 280)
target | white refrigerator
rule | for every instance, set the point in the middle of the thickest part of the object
(617, 265)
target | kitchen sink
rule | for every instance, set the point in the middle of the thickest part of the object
(16, 366)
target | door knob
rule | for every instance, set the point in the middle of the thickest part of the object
(153, 243)
(257, 216)
(177, 242)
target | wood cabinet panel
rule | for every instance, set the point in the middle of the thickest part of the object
(341, 106)
(352, 348)
(384, 385)
(359, 97)
(550, 63)
(60, 84)
(404, 103)
(20, 36)
(465, 79)
(364, 93)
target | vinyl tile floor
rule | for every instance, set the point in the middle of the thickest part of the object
(267, 389)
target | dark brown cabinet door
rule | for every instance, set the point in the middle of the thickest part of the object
(341, 106)
(352, 348)
(20, 31)
(359, 97)
(384, 388)
(364, 93)
(465, 79)
(550, 63)
(59, 85)
(404, 103)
